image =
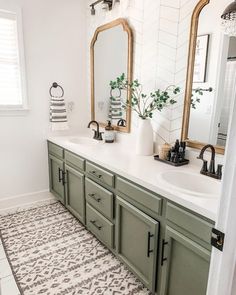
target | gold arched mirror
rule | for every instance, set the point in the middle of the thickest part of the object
(111, 55)
(211, 78)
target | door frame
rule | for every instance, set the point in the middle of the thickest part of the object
(222, 269)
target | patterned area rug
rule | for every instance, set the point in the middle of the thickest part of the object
(52, 253)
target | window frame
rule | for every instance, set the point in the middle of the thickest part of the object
(21, 108)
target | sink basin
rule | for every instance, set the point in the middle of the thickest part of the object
(84, 141)
(192, 183)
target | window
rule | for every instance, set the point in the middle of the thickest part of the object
(12, 89)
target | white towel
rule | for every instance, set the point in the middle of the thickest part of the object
(58, 114)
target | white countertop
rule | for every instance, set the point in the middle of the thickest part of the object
(143, 170)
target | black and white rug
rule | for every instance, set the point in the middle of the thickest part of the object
(52, 253)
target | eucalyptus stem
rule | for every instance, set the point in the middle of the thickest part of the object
(144, 105)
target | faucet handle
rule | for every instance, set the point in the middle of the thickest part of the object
(204, 167)
(95, 136)
(212, 167)
(100, 136)
(219, 171)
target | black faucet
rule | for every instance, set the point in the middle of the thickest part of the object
(211, 171)
(97, 133)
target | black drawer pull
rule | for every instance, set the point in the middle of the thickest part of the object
(162, 252)
(95, 174)
(148, 247)
(60, 174)
(93, 196)
(64, 177)
(99, 227)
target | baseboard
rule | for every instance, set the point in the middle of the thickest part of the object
(21, 201)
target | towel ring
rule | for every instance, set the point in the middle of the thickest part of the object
(55, 85)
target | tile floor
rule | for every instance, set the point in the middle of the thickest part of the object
(7, 282)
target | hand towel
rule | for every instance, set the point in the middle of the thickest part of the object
(58, 114)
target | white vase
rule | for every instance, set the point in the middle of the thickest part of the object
(144, 141)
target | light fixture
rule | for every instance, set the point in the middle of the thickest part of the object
(106, 4)
(229, 19)
(93, 11)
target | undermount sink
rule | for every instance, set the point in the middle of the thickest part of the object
(84, 141)
(192, 184)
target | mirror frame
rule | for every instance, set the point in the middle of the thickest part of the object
(127, 29)
(189, 81)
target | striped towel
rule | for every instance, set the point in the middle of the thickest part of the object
(115, 110)
(58, 114)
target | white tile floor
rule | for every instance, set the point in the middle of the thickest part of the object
(7, 282)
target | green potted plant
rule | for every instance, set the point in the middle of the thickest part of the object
(144, 106)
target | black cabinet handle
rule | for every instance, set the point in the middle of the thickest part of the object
(95, 174)
(99, 227)
(164, 243)
(93, 196)
(60, 175)
(149, 241)
(64, 177)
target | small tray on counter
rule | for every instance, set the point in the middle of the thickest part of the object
(184, 162)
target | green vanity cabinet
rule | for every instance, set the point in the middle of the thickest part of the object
(185, 265)
(166, 245)
(136, 241)
(74, 187)
(56, 170)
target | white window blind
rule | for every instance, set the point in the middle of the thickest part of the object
(11, 94)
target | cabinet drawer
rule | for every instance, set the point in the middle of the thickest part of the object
(99, 198)
(55, 150)
(148, 200)
(100, 174)
(189, 222)
(74, 161)
(100, 226)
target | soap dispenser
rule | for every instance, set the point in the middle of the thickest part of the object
(109, 134)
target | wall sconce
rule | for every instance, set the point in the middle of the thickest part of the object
(229, 19)
(106, 4)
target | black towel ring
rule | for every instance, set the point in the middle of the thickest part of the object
(55, 85)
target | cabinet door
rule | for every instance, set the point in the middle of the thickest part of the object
(56, 178)
(75, 192)
(185, 265)
(136, 241)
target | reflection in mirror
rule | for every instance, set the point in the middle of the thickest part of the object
(111, 49)
(213, 81)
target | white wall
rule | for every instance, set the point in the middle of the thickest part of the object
(54, 34)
